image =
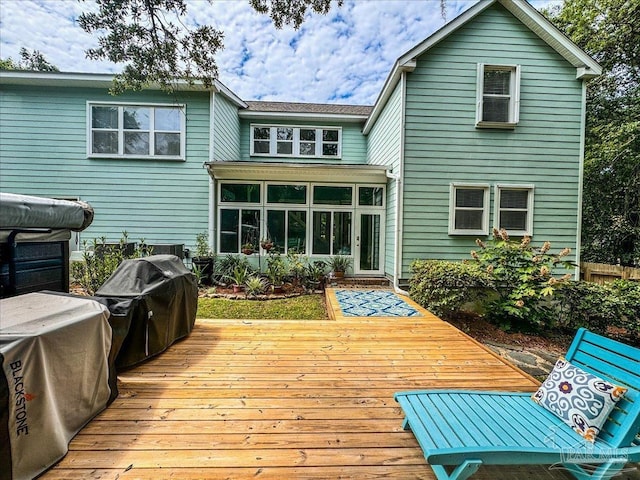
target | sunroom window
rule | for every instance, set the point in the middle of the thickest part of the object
(469, 209)
(289, 141)
(287, 229)
(238, 227)
(498, 96)
(332, 195)
(331, 233)
(136, 131)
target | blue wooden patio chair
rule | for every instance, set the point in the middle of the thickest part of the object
(462, 430)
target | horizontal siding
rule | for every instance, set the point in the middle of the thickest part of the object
(442, 144)
(43, 152)
(384, 148)
(354, 143)
(226, 135)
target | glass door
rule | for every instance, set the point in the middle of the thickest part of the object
(368, 251)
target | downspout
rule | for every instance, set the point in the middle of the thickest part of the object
(399, 178)
(583, 124)
(212, 185)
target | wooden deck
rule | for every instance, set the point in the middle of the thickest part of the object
(285, 400)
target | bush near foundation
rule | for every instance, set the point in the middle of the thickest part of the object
(445, 287)
(525, 280)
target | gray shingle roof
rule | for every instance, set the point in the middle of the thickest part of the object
(289, 107)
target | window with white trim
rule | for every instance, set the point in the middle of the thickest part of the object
(298, 217)
(469, 209)
(239, 216)
(498, 96)
(289, 141)
(136, 131)
(514, 209)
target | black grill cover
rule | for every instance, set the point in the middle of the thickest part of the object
(154, 297)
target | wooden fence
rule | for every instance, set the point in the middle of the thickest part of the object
(602, 273)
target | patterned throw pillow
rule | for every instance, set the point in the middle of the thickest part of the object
(582, 400)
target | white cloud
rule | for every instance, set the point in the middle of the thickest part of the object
(343, 57)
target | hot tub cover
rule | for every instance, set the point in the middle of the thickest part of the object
(25, 211)
(54, 354)
(165, 311)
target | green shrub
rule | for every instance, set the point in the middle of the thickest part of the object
(523, 280)
(628, 292)
(588, 305)
(596, 307)
(99, 261)
(225, 266)
(444, 287)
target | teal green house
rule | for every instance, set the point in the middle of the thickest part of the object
(480, 125)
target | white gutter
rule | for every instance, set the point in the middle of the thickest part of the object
(583, 124)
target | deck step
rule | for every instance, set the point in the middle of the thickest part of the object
(358, 282)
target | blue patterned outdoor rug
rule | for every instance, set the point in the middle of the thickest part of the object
(373, 303)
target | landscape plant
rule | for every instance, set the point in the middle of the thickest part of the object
(524, 280)
(254, 286)
(444, 287)
(277, 269)
(203, 263)
(227, 264)
(100, 259)
(597, 307)
(340, 264)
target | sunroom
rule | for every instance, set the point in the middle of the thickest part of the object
(315, 210)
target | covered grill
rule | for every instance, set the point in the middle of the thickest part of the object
(158, 295)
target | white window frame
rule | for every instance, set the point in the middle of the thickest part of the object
(530, 204)
(259, 203)
(370, 207)
(273, 207)
(453, 209)
(332, 211)
(327, 206)
(287, 205)
(514, 96)
(273, 141)
(152, 106)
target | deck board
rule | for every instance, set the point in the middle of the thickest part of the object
(284, 400)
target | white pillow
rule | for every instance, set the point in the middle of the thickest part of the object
(582, 400)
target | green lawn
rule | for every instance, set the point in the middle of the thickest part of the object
(305, 307)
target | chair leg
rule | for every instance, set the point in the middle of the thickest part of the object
(461, 472)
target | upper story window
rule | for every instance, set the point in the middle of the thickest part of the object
(136, 131)
(286, 141)
(498, 96)
(469, 209)
(514, 209)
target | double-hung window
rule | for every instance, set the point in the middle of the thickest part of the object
(136, 131)
(469, 209)
(498, 96)
(514, 209)
(288, 141)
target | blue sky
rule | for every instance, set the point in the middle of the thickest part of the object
(343, 57)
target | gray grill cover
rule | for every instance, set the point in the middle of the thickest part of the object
(54, 353)
(167, 294)
(25, 211)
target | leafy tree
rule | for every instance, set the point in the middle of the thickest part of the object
(28, 61)
(609, 30)
(152, 41)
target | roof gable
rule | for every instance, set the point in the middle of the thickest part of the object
(586, 67)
